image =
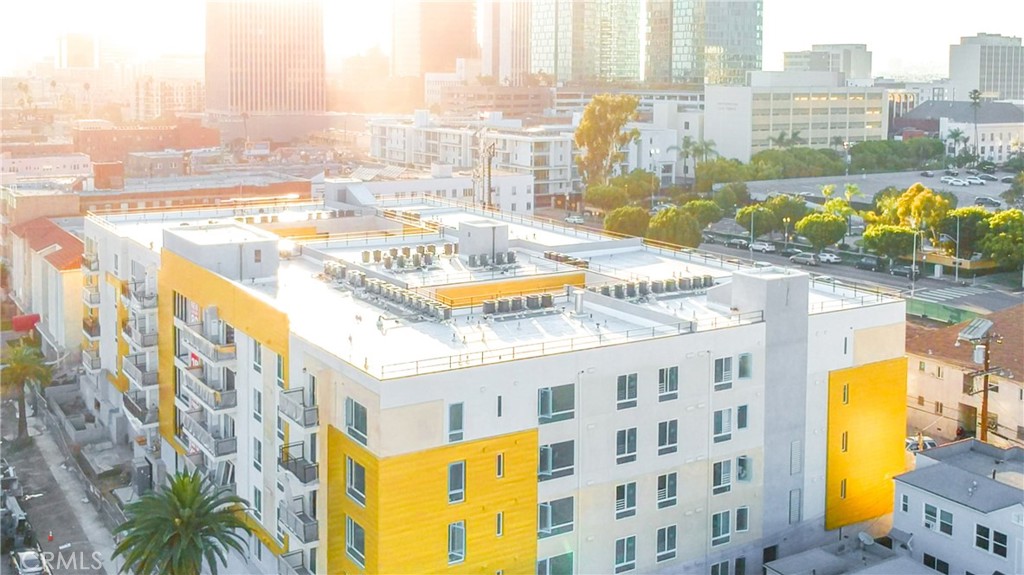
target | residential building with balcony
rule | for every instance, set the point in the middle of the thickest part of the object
(961, 510)
(520, 397)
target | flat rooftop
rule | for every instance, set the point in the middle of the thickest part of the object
(846, 558)
(975, 474)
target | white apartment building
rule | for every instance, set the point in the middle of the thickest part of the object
(44, 166)
(962, 509)
(742, 120)
(521, 397)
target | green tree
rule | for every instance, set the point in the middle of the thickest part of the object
(601, 135)
(705, 149)
(919, 206)
(739, 191)
(1002, 236)
(1014, 195)
(184, 528)
(764, 220)
(706, 212)
(22, 364)
(675, 226)
(605, 197)
(969, 221)
(628, 220)
(639, 185)
(787, 206)
(685, 150)
(717, 171)
(822, 229)
(955, 135)
(889, 241)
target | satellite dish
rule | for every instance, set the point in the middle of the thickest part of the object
(865, 539)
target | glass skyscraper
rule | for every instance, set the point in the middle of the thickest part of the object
(586, 41)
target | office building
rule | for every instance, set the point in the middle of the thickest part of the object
(431, 36)
(991, 63)
(962, 509)
(586, 41)
(995, 129)
(511, 102)
(703, 42)
(77, 50)
(466, 73)
(264, 57)
(505, 50)
(853, 60)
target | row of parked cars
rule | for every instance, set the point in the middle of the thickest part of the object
(798, 256)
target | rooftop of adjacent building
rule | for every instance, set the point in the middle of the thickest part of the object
(972, 473)
(850, 556)
(216, 180)
(941, 344)
(963, 112)
(63, 249)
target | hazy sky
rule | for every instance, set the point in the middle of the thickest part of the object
(906, 36)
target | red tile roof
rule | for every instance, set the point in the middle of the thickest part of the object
(940, 343)
(41, 233)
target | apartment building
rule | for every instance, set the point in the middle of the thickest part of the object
(962, 509)
(16, 168)
(475, 391)
(944, 390)
(990, 63)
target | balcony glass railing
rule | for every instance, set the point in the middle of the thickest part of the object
(292, 458)
(140, 299)
(136, 369)
(292, 405)
(206, 390)
(210, 347)
(135, 404)
(139, 337)
(91, 295)
(91, 329)
(91, 359)
(90, 262)
(214, 443)
(293, 564)
(305, 528)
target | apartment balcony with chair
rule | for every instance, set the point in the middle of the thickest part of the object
(141, 339)
(91, 359)
(211, 392)
(305, 528)
(293, 563)
(292, 458)
(292, 405)
(136, 405)
(91, 295)
(215, 444)
(138, 371)
(210, 347)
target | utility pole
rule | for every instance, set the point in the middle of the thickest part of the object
(979, 333)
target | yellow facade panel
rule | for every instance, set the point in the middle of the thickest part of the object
(866, 425)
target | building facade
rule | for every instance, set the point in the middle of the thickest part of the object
(586, 41)
(991, 63)
(430, 36)
(853, 60)
(505, 50)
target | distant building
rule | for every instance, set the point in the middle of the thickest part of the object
(15, 168)
(431, 36)
(962, 509)
(512, 102)
(586, 41)
(1000, 126)
(505, 51)
(853, 60)
(76, 50)
(703, 42)
(106, 142)
(154, 98)
(434, 83)
(991, 63)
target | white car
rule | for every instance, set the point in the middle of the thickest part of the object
(574, 220)
(946, 179)
(914, 444)
(958, 182)
(763, 247)
(829, 258)
(974, 180)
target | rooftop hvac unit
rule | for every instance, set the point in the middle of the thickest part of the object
(499, 258)
(670, 285)
(376, 256)
(606, 290)
(511, 258)
(406, 251)
(657, 286)
(630, 289)
(448, 249)
(697, 282)
(446, 312)
(620, 291)
(533, 301)
(547, 300)
(484, 260)
(388, 262)
(504, 305)
(709, 281)
(685, 284)
(490, 306)
(474, 261)
(142, 475)
(393, 251)
(431, 249)
(577, 302)
(400, 262)
(643, 288)
(366, 256)
(417, 260)
(421, 249)
(517, 303)
(428, 259)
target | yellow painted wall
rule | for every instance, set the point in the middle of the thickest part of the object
(875, 422)
(407, 512)
(119, 380)
(464, 295)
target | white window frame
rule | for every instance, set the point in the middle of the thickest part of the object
(456, 482)
(280, 371)
(723, 534)
(904, 503)
(668, 436)
(720, 568)
(257, 502)
(546, 404)
(742, 417)
(456, 422)
(668, 383)
(545, 517)
(257, 404)
(721, 477)
(667, 541)
(668, 487)
(625, 500)
(940, 522)
(545, 469)
(625, 554)
(723, 374)
(744, 468)
(456, 542)
(747, 373)
(257, 454)
(499, 524)
(352, 409)
(257, 356)
(625, 445)
(499, 470)
(626, 391)
(544, 565)
(352, 469)
(722, 425)
(358, 556)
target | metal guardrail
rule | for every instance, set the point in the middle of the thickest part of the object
(135, 403)
(205, 346)
(139, 299)
(91, 295)
(292, 405)
(138, 337)
(218, 446)
(91, 329)
(292, 458)
(134, 366)
(305, 528)
(293, 564)
(90, 262)
(91, 359)
(212, 396)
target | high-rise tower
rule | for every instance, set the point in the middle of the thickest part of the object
(506, 40)
(430, 36)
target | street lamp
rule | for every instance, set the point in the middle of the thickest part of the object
(956, 253)
(913, 261)
(785, 222)
(846, 148)
(979, 333)
(654, 152)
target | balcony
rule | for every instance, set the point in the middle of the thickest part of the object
(135, 368)
(139, 299)
(293, 564)
(206, 390)
(305, 528)
(292, 458)
(91, 359)
(90, 262)
(136, 405)
(210, 347)
(213, 443)
(91, 329)
(138, 337)
(196, 462)
(292, 405)
(91, 295)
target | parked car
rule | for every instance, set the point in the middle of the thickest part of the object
(1007, 179)
(915, 444)
(737, 243)
(763, 247)
(791, 252)
(829, 258)
(707, 238)
(805, 259)
(946, 179)
(987, 202)
(975, 180)
(872, 263)
(988, 177)
(906, 271)
(574, 220)
(928, 173)
(958, 182)
(952, 172)
(971, 171)
(29, 562)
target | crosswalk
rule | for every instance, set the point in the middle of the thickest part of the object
(946, 294)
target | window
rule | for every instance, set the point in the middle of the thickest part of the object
(668, 437)
(666, 543)
(499, 406)
(557, 565)
(499, 466)
(355, 420)
(723, 425)
(938, 371)
(990, 540)
(626, 391)
(845, 442)
(257, 356)
(720, 529)
(722, 474)
(556, 460)
(741, 417)
(257, 454)
(846, 393)
(257, 404)
(842, 489)
(720, 568)
(556, 403)
(456, 542)
(742, 519)
(625, 554)
(668, 383)
(280, 372)
(625, 500)
(938, 408)
(454, 422)
(741, 564)
(723, 373)
(257, 503)
(257, 256)
(554, 517)
(280, 428)
(355, 542)
(356, 484)
(904, 503)
(746, 365)
(625, 445)
(666, 490)
(456, 482)
(938, 519)
(936, 564)
(499, 524)
(744, 468)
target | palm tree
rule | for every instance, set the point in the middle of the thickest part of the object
(837, 142)
(955, 134)
(975, 96)
(184, 528)
(780, 140)
(795, 139)
(685, 150)
(23, 364)
(704, 149)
